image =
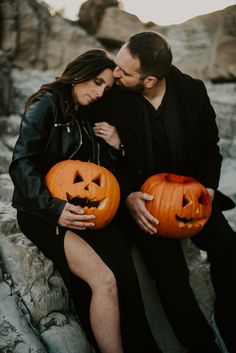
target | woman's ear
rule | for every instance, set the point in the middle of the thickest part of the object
(150, 81)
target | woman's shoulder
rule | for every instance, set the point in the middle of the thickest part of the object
(47, 97)
(42, 103)
(42, 110)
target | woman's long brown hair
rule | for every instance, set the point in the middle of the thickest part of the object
(85, 67)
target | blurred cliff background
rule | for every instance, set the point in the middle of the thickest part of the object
(35, 45)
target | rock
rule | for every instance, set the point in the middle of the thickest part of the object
(35, 278)
(9, 125)
(65, 35)
(116, 26)
(25, 83)
(223, 62)
(6, 188)
(61, 333)
(223, 100)
(5, 85)
(205, 45)
(24, 22)
(34, 300)
(227, 186)
(5, 157)
(17, 335)
(91, 12)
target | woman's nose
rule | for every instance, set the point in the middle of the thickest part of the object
(100, 92)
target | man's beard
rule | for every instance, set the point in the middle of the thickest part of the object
(139, 88)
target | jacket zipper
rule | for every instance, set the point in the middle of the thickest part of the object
(94, 142)
(67, 125)
(81, 140)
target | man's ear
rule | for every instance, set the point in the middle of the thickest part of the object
(150, 81)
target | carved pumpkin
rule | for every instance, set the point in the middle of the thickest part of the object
(181, 204)
(88, 185)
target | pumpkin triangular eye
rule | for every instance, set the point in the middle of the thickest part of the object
(185, 201)
(77, 178)
(202, 199)
(97, 181)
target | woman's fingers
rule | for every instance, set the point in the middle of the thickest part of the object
(107, 132)
(73, 217)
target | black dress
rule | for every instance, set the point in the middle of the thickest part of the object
(112, 247)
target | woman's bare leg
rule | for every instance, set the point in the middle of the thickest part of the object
(85, 263)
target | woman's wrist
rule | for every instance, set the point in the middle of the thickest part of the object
(118, 152)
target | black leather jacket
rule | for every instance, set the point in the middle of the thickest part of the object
(44, 140)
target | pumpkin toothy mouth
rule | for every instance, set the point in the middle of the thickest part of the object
(191, 221)
(184, 219)
(83, 202)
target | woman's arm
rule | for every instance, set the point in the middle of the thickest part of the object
(27, 165)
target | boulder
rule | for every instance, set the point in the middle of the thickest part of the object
(116, 26)
(91, 12)
(5, 85)
(17, 335)
(32, 37)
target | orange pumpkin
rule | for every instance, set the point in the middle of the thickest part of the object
(88, 185)
(180, 203)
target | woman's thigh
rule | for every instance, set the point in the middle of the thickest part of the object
(110, 244)
(85, 262)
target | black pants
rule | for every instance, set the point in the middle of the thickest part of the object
(111, 246)
(167, 266)
(219, 240)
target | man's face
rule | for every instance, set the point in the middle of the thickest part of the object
(127, 71)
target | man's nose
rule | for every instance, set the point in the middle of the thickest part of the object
(117, 72)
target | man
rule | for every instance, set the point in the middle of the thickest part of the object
(166, 124)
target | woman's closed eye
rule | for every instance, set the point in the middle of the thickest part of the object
(98, 81)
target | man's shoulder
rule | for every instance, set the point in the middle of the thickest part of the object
(121, 94)
(117, 98)
(185, 81)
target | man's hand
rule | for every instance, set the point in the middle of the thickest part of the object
(135, 202)
(73, 217)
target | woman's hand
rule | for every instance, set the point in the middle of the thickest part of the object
(108, 133)
(135, 202)
(73, 217)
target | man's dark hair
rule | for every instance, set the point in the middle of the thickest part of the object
(153, 52)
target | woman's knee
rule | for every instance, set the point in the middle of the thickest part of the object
(105, 281)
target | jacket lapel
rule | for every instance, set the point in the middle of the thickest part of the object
(174, 131)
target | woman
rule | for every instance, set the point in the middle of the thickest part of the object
(55, 128)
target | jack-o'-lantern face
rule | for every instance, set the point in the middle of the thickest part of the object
(87, 185)
(181, 204)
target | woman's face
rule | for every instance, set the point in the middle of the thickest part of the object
(89, 91)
